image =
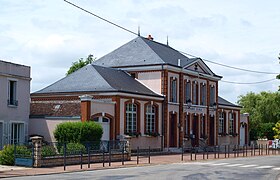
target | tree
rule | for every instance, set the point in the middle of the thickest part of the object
(276, 130)
(264, 109)
(80, 63)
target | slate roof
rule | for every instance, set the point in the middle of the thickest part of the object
(223, 102)
(142, 51)
(93, 78)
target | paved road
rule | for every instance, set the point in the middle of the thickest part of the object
(254, 168)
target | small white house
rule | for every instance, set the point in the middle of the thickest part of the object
(14, 102)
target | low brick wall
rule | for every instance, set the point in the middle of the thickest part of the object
(76, 159)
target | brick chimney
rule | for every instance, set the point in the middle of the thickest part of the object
(150, 37)
(85, 107)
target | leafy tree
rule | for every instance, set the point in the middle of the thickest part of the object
(264, 108)
(276, 130)
(80, 63)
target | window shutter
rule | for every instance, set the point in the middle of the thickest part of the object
(9, 131)
(25, 132)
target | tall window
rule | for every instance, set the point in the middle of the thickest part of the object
(231, 123)
(195, 93)
(202, 126)
(150, 118)
(187, 91)
(221, 122)
(173, 90)
(202, 94)
(131, 117)
(212, 95)
(12, 93)
(17, 135)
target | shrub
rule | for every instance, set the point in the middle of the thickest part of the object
(77, 132)
(7, 155)
(48, 151)
(73, 148)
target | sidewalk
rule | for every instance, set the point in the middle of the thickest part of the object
(12, 171)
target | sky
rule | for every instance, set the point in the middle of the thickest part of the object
(50, 35)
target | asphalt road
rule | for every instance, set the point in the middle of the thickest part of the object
(265, 167)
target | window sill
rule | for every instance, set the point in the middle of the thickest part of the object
(173, 103)
(12, 106)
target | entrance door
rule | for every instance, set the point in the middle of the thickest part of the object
(212, 131)
(195, 126)
(172, 130)
(242, 135)
(105, 123)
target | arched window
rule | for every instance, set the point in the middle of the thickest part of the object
(131, 117)
(150, 118)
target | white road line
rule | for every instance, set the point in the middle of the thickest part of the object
(264, 167)
(249, 165)
(219, 164)
(233, 165)
(276, 168)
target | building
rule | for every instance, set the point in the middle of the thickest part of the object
(14, 102)
(166, 92)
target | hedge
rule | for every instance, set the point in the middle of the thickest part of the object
(78, 132)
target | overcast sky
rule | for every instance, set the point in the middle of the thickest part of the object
(50, 35)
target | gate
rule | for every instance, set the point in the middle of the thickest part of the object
(24, 154)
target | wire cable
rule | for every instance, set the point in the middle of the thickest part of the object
(220, 64)
(100, 17)
(232, 67)
(259, 82)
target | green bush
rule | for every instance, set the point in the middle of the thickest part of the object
(7, 155)
(48, 151)
(74, 148)
(78, 132)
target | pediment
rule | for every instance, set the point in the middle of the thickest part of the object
(199, 66)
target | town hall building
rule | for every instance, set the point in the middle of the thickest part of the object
(144, 91)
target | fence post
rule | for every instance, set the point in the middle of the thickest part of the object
(137, 154)
(218, 151)
(103, 157)
(109, 154)
(191, 153)
(149, 155)
(238, 151)
(195, 152)
(215, 152)
(246, 149)
(37, 150)
(81, 159)
(234, 150)
(225, 151)
(259, 149)
(228, 150)
(182, 154)
(64, 156)
(88, 152)
(123, 153)
(243, 150)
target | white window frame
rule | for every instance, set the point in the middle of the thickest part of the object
(150, 118)
(15, 101)
(221, 122)
(131, 118)
(20, 133)
(231, 123)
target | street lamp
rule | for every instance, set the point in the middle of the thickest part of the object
(215, 106)
(189, 104)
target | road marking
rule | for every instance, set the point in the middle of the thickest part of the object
(233, 165)
(276, 168)
(250, 165)
(264, 167)
(219, 164)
